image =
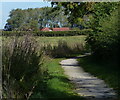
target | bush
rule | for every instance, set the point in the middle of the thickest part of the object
(22, 67)
(49, 33)
(105, 43)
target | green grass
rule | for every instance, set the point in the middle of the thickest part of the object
(58, 85)
(108, 71)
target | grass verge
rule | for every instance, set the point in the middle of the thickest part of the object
(58, 85)
(108, 71)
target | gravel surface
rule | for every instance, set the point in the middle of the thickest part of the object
(86, 84)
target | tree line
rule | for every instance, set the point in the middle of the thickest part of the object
(34, 19)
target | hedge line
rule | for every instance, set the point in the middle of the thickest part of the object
(49, 33)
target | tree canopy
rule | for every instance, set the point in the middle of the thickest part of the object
(75, 11)
(34, 19)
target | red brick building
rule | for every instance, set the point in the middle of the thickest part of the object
(46, 29)
(61, 29)
(55, 29)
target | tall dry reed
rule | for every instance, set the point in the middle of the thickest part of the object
(22, 62)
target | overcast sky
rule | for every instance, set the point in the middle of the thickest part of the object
(8, 5)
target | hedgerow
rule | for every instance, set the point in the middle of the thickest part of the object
(48, 33)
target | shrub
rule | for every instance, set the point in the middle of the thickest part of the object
(105, 43)
(22, 67)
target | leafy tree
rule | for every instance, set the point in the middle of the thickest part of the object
(16, 18)
(33, 19)
(74, 10)
(99, 11)
(106, 32)
(8, 27)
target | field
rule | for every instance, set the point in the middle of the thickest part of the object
(71, 40)
(66, 46)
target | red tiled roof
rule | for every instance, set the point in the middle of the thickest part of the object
(55, 29)
(61, 29)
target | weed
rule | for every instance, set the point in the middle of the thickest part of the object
(21, 67)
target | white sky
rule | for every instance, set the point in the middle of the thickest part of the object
(21, 0)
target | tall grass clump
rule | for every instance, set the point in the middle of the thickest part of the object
(22, 67)
(64, 50)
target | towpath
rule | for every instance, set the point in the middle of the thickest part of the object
(86, 84)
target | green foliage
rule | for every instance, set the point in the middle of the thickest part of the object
(108, 71)
(49, 33)
(103, 20)
(106, 37)
(17, 18)
(34, 19)
(75, 10)
(22, 67)
(58, 86)
(101, 10)
(76, 29)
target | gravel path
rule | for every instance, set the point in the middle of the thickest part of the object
(85, 84)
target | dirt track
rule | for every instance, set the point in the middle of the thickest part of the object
(85, 84)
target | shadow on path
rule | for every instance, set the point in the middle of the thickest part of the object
(86, 85)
